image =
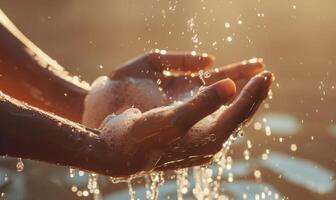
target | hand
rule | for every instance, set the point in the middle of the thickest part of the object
(156, 79)
(184, 134)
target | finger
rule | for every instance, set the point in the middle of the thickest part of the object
(245, 105)
(178, 61)
(161, 126)
(205, 103)
(237, 71)
(242, 109)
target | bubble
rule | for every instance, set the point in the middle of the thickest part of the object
(116, 126)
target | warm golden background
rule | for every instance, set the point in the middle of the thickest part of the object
(296, 38)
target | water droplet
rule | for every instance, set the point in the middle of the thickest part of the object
(182, 183)
(257, 175)
(293, 147)
(257, 126)
(72, 172)
(227, 25)
(131, 191)
(268, 131)
(207, 74)
(81, 173)
(19, 165)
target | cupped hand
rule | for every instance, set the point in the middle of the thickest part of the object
(183, 134)
(159, 78)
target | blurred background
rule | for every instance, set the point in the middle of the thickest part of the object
(296, 38)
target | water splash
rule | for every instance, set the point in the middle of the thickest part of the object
(93, 186)
(182, 183)
(157, 179)
(131, 191)
(207, 182)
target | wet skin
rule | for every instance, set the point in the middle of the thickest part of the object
(162, 138)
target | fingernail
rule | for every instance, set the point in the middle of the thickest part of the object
(268, 79)
(209, 59)
(269, 76)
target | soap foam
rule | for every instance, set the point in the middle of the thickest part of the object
(114, 127)
(110, 96)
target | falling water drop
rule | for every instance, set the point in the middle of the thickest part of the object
(182, 183)
(93, 186)
(293, 147)
(207, 74)
(19, 165)
(72, 172)
(131, 191)
(156, 179)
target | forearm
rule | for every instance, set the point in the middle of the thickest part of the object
(28, 74)
(27, 132)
